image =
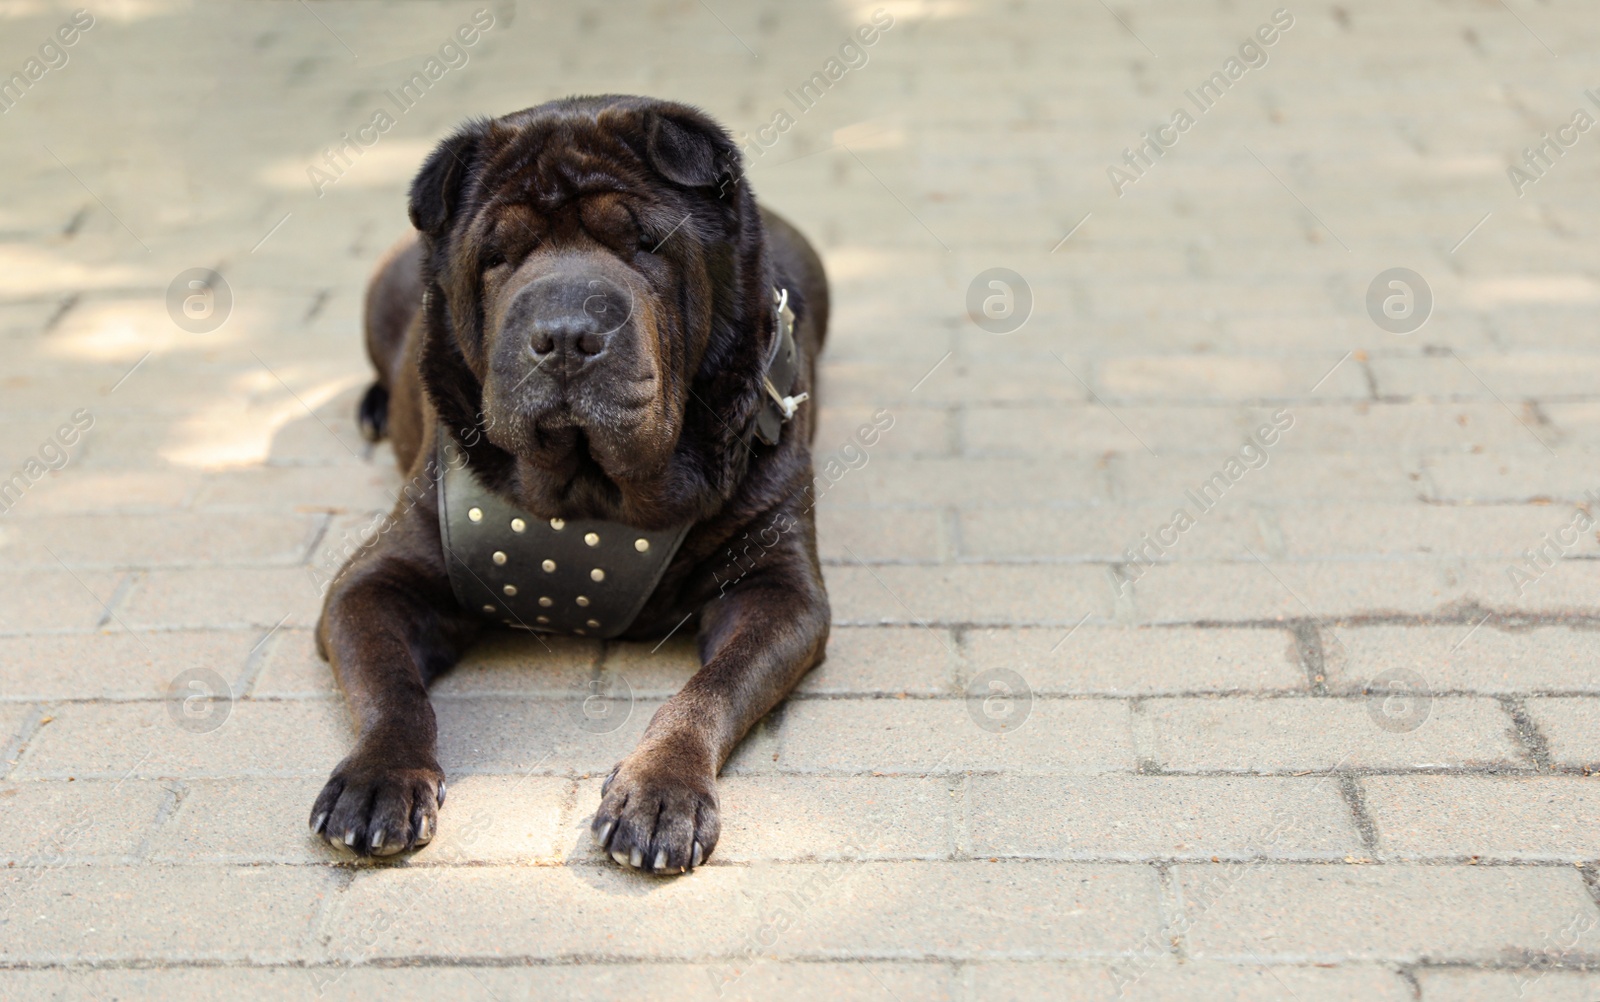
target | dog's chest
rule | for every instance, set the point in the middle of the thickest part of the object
(583, 577)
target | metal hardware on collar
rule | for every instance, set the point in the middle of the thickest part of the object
(580, 576)
(782, 369)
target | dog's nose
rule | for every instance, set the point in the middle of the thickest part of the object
(580, 335)
(569, 316)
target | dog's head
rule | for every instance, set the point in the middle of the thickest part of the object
(598, 304)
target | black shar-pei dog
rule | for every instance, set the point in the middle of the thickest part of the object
(593, 358)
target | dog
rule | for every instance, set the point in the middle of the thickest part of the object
(594, 328)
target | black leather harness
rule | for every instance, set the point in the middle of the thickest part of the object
(586, 577)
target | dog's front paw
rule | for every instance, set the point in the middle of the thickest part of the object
(655, 817)
(375, 807)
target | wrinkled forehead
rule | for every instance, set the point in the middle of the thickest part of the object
(547, 161)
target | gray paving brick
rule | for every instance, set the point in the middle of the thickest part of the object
(1542, 818)
(1240, 734)
(1417, 530)
(1140, 661)
(1514, 377)
(966, 594)
(56, 600)
(259, 914)
(1533, 984)
(1550, 659)
(848, 534)
(1498, 478)
(221, 598)
(54, 823)
(1247, 590)
(940, 735)
(894, 659)
(1101, 533)
(889, 480)
(301, 489)
(96, 491)
(1166, 980)
(1571, 727)
(503, 734)
(1169, 817)
(116, 664)
(165, 540)
(113, 740)
(1328, 913)
(980, 909)
(674, 982)
(1352, 476)
(1226, 378)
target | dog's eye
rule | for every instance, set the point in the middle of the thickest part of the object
(648, 243)
(494, 259)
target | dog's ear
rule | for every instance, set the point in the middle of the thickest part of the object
(690, 149)
(437, 189)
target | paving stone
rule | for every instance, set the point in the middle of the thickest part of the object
(1137, 818)
(1165, 980)
(1506, 479)
(1299, 734)
(1455, 658)
(106, 541)
(1569, 727)
(502, 734)
(184, 913)
(1351, 476)
(232, 598)
(1542, 818)
(980, 909)
(1228, 378)
(1139, 661)
(1332, 913)
(966, 594)
(890, 659)
(57, 600)
(1249, 589)
(116, 664)
(889, 480)
(879, 535)
(1533, 984)
(1101, 533)
(758, 980)
(113, 740)
(943, 736)
(54, 823)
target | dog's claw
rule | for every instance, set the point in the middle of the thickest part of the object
(620, 857)
(350, 837)
(697, 857)
(661, 860)
(605, 833)
(318, 822)
(636, 858)
(441, 793)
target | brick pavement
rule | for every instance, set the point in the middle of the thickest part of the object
(1195, 795)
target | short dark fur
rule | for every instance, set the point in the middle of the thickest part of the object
(593, 182)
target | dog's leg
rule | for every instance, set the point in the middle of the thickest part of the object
(659, 806)
(387, 631)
